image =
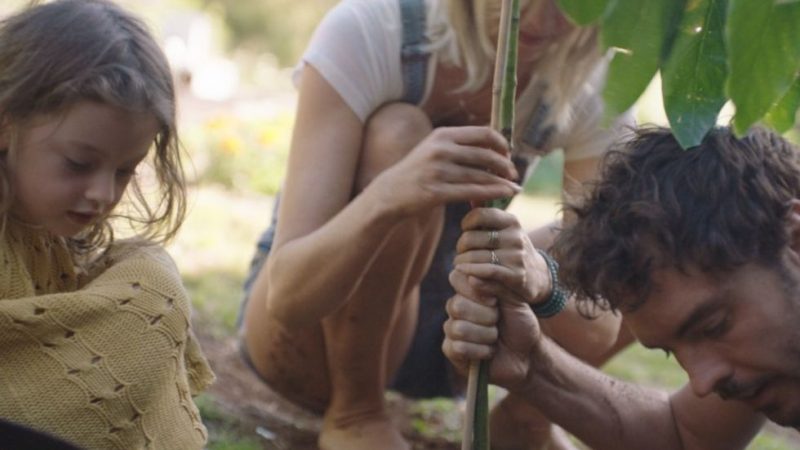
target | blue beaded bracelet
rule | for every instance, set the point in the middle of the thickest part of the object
(558, 296)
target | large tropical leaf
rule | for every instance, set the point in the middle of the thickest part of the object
(694, 75)
(637, 30)
(584, 12)
(763, 52)
(782, 116)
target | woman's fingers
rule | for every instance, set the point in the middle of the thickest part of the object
(454, 164)
(479, 136)
(485, 240)
(487, 286)
(506, 260)
(478, 192)
(489, 219)
(478, 157)
(511, 281)
(453, 177)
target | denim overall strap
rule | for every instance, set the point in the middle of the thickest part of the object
(413, 53)
(425, 372)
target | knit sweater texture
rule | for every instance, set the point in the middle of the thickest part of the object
(103, 357)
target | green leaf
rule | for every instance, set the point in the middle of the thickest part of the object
(694, 75)
(673, 18)
(637, 30)
(763, 51)
(584, 12)
(782, 116)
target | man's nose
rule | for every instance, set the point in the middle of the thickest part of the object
(708, 371)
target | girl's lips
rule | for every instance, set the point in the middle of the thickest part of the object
(82, 218)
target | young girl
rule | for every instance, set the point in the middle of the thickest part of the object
(390, 143)
(95, 340)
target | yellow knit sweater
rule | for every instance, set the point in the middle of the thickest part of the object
(104, 358)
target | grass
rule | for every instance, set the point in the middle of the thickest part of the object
(223, 428)
(214, 250)
(647, 367)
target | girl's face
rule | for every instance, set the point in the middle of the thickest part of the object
(68, 171)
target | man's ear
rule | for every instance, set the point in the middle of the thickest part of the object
(793, 225)
(5, 135)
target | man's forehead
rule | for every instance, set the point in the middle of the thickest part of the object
(675, 299)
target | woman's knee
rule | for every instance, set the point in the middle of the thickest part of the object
(389, 134)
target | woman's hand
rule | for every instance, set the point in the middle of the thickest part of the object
(497, 275)
(450, 165)
(498, 256)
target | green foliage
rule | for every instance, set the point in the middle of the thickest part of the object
(546, 178)
(218, 294)
(764, 42)
(647, 367)
(435, 418)
(584, 12)
(639, 30)
(694, 76)
(708, 52)
(223, 428)
(246, 155)
(766, 441)
(279, 27)
(782, 115)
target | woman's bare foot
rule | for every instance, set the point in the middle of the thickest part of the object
(370, 433)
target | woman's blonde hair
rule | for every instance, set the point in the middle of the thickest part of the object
(459, 32)
(56, 54)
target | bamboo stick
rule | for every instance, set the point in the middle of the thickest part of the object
(504, 86)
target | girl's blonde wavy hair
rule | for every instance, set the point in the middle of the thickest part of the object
(53, 55)
(459, 32)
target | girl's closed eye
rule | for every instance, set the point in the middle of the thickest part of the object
(126, 173)
(78, 165)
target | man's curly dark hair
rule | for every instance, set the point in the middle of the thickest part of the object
(714, 207)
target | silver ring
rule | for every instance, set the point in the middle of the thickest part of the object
(495, 259)
(494, 239)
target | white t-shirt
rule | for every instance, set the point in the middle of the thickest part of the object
(357, 49)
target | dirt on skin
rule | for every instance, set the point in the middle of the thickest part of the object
(263, 416)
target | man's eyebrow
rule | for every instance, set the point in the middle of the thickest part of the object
(700, 312)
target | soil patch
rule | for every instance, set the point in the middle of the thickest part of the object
(260, 414)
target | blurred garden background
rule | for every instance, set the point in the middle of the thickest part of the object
(233, 62)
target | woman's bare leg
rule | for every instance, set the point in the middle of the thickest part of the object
(342, 366)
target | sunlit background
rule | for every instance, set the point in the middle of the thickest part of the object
(232, 61)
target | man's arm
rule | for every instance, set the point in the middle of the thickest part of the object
(605, 413)
(610, 414)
